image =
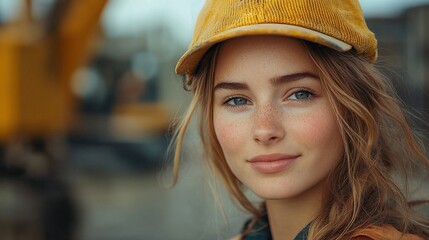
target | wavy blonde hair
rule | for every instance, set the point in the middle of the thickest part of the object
(381, 150)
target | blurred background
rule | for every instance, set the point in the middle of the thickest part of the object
(87, 94)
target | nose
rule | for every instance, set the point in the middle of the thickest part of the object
(268, 127)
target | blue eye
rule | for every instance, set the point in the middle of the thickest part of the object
(237, 101)
(300, 95)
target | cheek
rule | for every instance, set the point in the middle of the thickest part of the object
(323, 127)
(229, 134)
(319, 131)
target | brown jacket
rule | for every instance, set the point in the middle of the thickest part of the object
(386, 232)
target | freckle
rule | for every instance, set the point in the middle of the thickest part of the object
(268, 111)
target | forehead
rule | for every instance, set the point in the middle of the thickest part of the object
(264, 56)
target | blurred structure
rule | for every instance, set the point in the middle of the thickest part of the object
(71, 102)
(38, 55)
(417, 53)
(404, 54)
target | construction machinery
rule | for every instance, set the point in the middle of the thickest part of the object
(37, 62)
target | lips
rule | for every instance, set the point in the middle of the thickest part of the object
(271, 163)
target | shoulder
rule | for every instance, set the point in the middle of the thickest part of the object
(385, 232)
(239, 237)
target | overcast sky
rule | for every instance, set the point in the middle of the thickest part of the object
(123, 17)
(132, 17)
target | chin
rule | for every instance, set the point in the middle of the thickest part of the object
(274, 194)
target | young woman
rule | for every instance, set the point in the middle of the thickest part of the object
(292, 108)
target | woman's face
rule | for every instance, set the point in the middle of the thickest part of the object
(272, 118)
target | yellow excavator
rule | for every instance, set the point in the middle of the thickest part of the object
(37, 61)
(38, 58)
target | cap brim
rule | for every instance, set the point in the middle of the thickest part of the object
(192, 57)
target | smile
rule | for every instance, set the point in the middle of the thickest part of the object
(271, 163)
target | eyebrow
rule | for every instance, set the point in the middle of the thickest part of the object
(274, 81)
(292, 77)
(232, 86)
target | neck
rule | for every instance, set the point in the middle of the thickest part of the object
(288, 217)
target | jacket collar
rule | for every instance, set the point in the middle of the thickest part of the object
(261, 230)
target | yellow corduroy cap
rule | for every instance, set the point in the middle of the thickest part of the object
(338, 24)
